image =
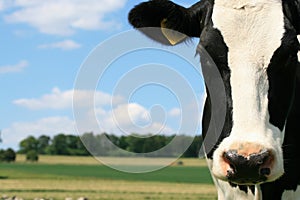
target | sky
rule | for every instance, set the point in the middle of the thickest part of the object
(51, 51)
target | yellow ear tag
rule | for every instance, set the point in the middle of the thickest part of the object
(172, 36)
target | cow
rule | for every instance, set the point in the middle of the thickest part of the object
(254, 44)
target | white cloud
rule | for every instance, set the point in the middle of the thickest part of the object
(55, 100)
(120, 118)
(46, 126)
(58, 99)
(123, 119)
(112, 114)
(175, 112)
(19, 67)
(106, 123)
(131, 113)
(63, 45)
(64, 17)
(4, 4)
(129, 118)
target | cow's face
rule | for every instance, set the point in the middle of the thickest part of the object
(261, 61)
(255, 50)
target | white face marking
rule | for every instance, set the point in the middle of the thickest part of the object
(252, 31)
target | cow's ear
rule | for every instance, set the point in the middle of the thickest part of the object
(175, 23)
(173, 37)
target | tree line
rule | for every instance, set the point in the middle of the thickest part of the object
(168, 146)
(60, 144)
(103, 145)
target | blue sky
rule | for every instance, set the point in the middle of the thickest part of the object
(43, 47)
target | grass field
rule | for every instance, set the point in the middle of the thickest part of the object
(59, 177)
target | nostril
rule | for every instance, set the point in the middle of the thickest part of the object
(265, 171)
(260, 158)
(232, 159)
(231, 166)
(230, 156)
(230, 173)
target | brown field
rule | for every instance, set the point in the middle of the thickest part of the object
(85, 160)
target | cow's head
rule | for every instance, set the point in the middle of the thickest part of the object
(255, 49)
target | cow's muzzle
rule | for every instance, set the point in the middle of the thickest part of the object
(250, 169)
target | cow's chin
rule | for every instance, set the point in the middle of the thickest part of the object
(271, 170)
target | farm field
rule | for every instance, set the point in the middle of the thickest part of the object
(58, 177)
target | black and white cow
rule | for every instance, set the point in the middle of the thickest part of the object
(254, 45)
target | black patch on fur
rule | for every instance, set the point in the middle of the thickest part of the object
(244, 188)
(291, 153)
(284, 104)
(281, 74)
(291, 10)
(212, 40)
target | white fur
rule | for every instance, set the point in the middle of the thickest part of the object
(252, 36)
(227, 192)
(292, 195)
(252, 31)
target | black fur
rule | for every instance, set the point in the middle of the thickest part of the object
(214, 44)
(291, 9)
(244, 188)
(291, 178)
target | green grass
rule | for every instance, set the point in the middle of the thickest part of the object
(96, 181)
(176, 174)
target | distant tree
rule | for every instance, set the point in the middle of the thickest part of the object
(32, 156)
(8, 155)
(2, 155)
(75, 146)
(122, 143)
(144, 144)
(135, 143)
(72, 141)
(82, 150)
(154, 143)
(49, 150)
(113, 138)
(59, 145)
(194, 148)
(43, 143)
(67, 145)
(108, 144)
(29, 143)
(105, 146)
(90, 142)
